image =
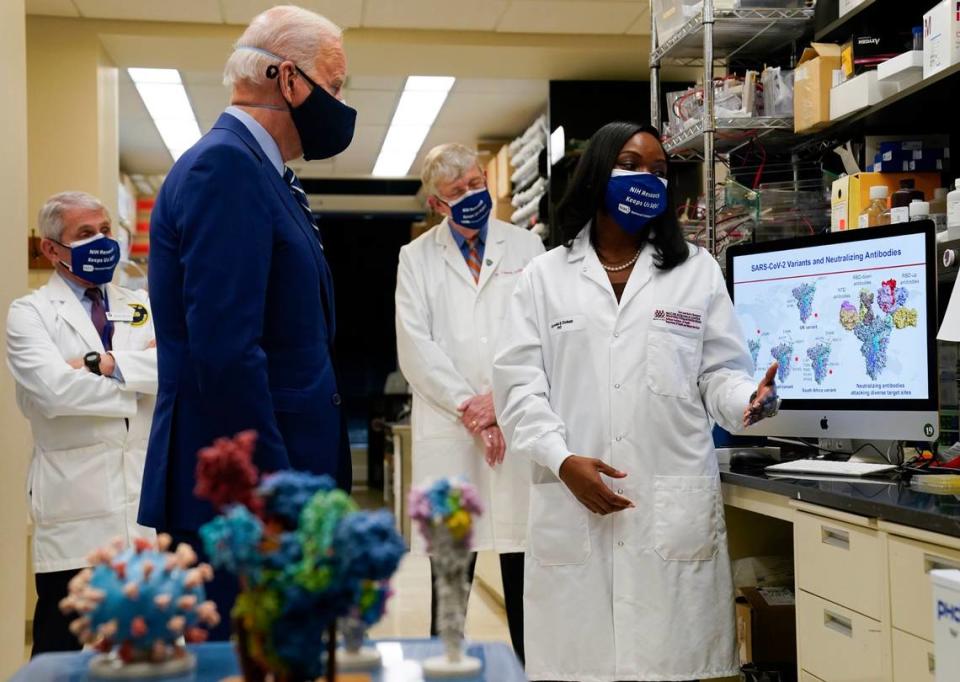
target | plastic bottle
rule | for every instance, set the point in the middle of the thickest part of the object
(953, 212)
(919, 210)
(900, 201)
(876, 213)
(918, 38)
(938, 208)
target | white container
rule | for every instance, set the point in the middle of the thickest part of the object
(919, 210)
(903, 70)
(953, 212)
(941, 38)
(938, 209)
(859, 93)
(946, 623)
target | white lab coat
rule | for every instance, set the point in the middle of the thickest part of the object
(646, 593)
(447, 327)
(87, 465)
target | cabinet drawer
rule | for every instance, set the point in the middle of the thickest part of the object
(840, 562)
(912, 658)
(911, 597)
(838, 644)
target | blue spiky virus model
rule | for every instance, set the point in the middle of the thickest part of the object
(139, 601)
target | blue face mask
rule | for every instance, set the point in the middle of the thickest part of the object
(472, 210)
(635, 198)
(93, 260)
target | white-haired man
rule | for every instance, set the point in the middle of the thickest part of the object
(452, 289)
(82, 354)
(242, 291)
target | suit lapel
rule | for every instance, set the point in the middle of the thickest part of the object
(70, 309)
(231, 123)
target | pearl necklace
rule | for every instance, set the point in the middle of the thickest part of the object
(620, 268)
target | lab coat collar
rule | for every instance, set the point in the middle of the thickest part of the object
(582, 250)
(120, 302)
(492, 251)
(452, 254)
(72, 311)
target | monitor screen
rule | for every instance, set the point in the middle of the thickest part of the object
(850, 317)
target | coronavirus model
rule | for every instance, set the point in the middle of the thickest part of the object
(136, 603)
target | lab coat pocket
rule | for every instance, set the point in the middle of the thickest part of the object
(685, 510)
(671, 363)
(70, 485)
(559, 530)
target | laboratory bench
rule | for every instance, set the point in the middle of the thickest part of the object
(862, 552)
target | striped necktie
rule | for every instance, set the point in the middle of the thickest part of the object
(473, 258)
(296, 189)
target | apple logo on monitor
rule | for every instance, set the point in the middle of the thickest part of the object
(823, 424)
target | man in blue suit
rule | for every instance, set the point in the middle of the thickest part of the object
(241, 290)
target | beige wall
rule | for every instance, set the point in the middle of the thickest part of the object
(14, 454)
(72, 109)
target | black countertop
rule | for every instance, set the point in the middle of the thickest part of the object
(895, 502)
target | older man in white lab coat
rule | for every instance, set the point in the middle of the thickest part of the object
(82, 353)
(453, 286)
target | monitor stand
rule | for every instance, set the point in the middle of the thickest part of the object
(864, 453)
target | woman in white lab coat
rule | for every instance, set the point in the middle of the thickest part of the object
(618, 352)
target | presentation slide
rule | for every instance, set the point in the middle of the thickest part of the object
(844, 321)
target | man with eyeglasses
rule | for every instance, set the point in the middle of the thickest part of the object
(453, 285)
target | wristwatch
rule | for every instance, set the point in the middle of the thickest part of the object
(92, 361)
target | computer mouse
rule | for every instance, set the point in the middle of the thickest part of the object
(751, 459)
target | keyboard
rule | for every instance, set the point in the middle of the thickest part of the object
(822, 467)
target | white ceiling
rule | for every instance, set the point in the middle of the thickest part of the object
(504, 16)
(477, 109)
(483, 105)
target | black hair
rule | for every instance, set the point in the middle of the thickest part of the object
(585, 196)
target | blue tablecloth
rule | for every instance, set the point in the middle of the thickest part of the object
(217, 660)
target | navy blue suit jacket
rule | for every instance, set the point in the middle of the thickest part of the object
(243, 306)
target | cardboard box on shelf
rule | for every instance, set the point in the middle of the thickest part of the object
(941, 37)
(504, 172)
(811, 87)
(766, 625)
(851, 194)
(859, 93)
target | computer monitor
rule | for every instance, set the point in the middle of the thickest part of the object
(852, 319)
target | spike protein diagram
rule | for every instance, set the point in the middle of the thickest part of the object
(874, 330)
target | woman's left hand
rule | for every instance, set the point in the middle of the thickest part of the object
(766, 391)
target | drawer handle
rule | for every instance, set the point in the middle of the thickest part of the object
(835, 538)
(935, 563)
(838, 623)
(931, 663)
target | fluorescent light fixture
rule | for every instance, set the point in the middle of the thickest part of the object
(421, 101)
(166, 100)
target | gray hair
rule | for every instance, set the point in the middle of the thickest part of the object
(445, 163)
(284, 31)
(51, 215)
